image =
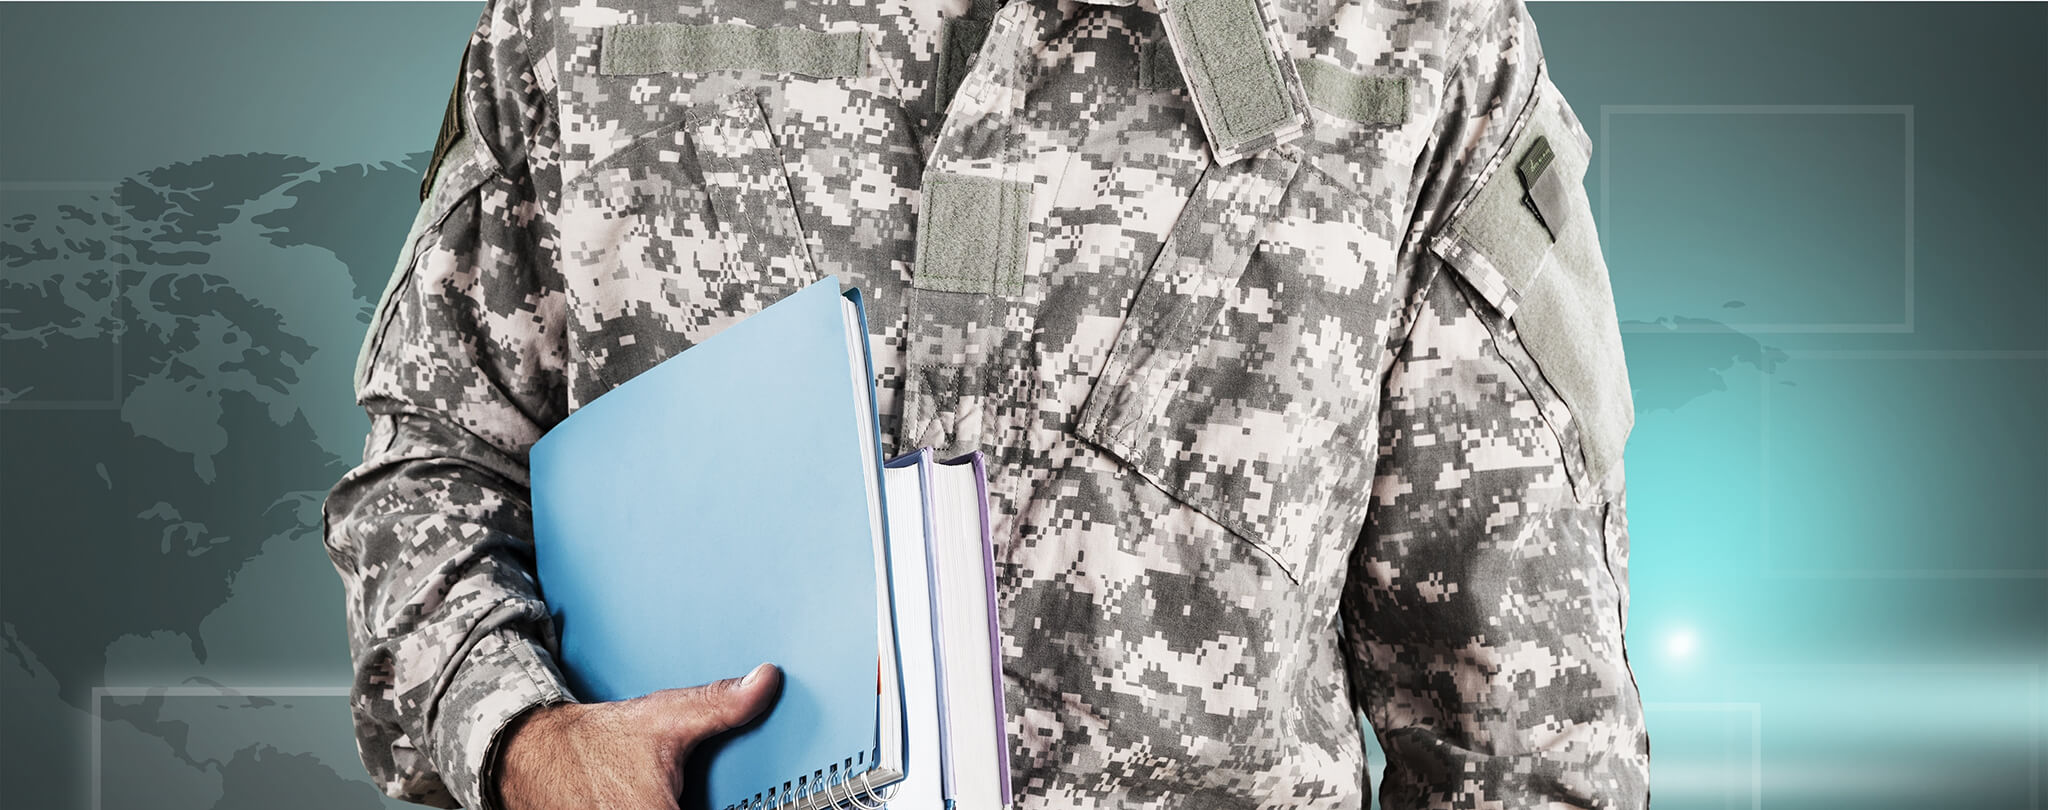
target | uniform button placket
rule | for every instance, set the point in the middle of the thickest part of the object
(968, 248)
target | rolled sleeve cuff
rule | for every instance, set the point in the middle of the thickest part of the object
(504, 675)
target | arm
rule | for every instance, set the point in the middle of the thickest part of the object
(457, 697)
(1486, 597)
(461, 372)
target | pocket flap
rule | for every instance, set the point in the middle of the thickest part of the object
(1145, 410)
(1525, 241)
(1500, 234)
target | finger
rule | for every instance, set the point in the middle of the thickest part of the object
(691, 714)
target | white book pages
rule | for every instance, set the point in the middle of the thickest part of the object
(911, 584)
(977, 732)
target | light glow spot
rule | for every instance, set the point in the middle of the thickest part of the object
(1681, 644)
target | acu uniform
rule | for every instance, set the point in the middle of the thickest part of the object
(1283, 323)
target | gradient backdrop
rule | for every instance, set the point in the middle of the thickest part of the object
(1826, 225)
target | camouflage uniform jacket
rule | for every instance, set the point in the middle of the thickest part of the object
(1283, 323)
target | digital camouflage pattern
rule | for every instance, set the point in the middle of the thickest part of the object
(1267, 449)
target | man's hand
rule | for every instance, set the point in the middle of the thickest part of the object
(624, 755)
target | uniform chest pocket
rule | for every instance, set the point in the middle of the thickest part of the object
(1235, 383)
(1524, 242)
(694, 219)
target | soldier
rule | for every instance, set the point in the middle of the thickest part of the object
(1285, 328)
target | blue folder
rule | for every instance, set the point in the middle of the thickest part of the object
(713, 513)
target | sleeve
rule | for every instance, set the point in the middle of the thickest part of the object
(1486, 597)
(462, 369)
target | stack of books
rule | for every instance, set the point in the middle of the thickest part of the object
(731, 506)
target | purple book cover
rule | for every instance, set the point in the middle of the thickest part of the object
(995, 638)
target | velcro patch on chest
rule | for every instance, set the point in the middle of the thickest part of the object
(1364, 98)
(1244, 88)
(972, 234)
(661, 47)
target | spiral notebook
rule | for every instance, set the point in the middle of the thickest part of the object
(709, 514)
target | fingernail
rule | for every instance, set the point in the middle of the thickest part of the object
(754, 676)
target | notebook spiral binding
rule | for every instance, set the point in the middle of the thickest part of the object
(822, 789)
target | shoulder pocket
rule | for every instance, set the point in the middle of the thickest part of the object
(1524, 240)
(456, 172)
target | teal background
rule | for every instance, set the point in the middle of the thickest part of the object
(1825, 225)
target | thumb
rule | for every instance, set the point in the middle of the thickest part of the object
(694, 713)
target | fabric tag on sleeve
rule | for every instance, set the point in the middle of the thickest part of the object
(1543, 190)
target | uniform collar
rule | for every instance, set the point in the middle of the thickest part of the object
(1233, 58)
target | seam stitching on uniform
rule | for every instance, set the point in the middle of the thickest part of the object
(415, 249)
(1412, 313)
(1500, 155)
(683, 120)
(1563, 426)
(1453, 232)
(782, 185)
(1154, 474)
